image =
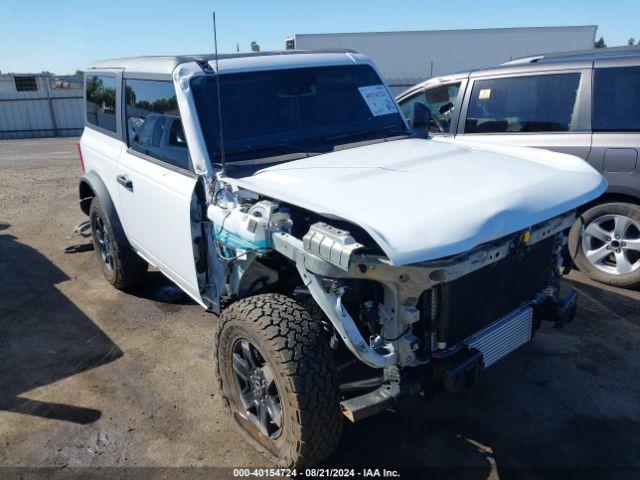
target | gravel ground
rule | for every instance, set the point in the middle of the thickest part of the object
(94, 377)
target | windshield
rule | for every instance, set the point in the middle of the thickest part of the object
(294, 110)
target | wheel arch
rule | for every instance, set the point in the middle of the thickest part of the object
(91, 186)
(610, 197)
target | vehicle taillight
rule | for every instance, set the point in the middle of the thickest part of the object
(80, 155)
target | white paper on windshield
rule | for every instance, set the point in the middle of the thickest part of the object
(378, 100)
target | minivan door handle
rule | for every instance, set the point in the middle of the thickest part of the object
(125, 182)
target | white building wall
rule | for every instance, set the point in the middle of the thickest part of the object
(47, 112)
(409, 55)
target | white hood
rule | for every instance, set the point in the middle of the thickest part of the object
(426, 199)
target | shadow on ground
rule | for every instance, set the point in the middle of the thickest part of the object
(160, 289)
(44, 337)
(620, 304)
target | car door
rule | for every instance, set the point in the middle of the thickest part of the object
(155, 194)
(545, 109)
(616, 123)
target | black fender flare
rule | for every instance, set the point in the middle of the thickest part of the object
(90, 186)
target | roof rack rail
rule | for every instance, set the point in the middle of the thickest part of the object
(575, 53)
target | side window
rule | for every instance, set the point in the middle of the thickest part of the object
(539, 103)
(101, 101)
(151, 106)
(616, 100)
(441, 100)
(176, 136)
(406, 105)
(142, 139)
(157, 131)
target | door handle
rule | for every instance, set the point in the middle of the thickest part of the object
(125, 182)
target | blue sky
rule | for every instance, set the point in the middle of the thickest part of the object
(62, 36)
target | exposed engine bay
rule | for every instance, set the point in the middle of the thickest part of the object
(459, 314)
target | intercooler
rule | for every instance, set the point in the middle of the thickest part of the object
(503, 336)
(475, 301)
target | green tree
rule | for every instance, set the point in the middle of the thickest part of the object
(94, 89)
(129, 95)
(108, 98)
(255, 47)
(631, 41)
(600, 43)
(99, 94)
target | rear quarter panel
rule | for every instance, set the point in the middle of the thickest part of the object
(100, 153)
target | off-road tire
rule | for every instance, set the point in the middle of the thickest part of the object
(629, 280)
(127, 267)
(293, 345)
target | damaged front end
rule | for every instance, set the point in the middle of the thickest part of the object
(412, 328)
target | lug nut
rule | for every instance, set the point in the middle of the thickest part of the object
(624, 244)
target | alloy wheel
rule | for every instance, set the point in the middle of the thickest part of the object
(257, 388)
(104, 245)
(611, 243)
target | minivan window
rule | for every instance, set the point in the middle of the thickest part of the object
(151, 113)
(265, 113)
(537, 103)
(616, 100)
(101, 101)
(441, 100)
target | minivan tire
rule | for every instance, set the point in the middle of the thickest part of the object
(629, 210)
(301, 382)
(121, 266)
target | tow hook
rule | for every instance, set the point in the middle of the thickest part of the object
(454, 373)
(559, 310)
(461, 370)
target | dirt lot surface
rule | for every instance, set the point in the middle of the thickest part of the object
(90, 376)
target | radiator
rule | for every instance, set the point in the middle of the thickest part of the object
(474, 301)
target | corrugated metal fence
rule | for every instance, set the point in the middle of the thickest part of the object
(54, 108)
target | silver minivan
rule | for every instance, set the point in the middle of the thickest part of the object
(583, 103)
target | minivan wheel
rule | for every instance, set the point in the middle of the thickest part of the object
(278, 380)
(120, 265)
(605, 244)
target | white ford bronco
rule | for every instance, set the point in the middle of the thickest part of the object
(352, 260)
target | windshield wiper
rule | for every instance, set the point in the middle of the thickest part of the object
(365, 133)
(280, 147)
